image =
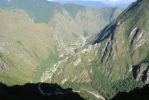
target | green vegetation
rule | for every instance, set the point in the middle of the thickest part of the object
(33, 8)
(127, 84)
(30, 50)
(120, 46)
(46, 64)
(73, 9)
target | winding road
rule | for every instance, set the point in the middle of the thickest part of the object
(97, 95)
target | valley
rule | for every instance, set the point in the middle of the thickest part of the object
(95, 52)
(33, 45)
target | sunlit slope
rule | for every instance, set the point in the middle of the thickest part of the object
(72, 22)
(36, 34)
(23, 46)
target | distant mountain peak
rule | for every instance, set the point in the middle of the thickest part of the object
(9, 0)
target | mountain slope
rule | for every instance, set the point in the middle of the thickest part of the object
(130, 31)
(73, 20)
(33, 8)
(94, 4)
(23, 46)
(36, 35)
(118, 59)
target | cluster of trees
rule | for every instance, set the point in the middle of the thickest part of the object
(108, 88)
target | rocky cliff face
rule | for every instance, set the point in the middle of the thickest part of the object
(127, 38)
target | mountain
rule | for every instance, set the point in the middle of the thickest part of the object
(94, 4)
(117, 59)
(37, 35)
(98, 4)
(76, 21)
(67, 44)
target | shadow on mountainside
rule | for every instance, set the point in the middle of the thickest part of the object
(39, 91)
(136, 94)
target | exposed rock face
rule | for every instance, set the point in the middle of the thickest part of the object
(126, 40)
(141, 72)
(147, 77)
(3, 64)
